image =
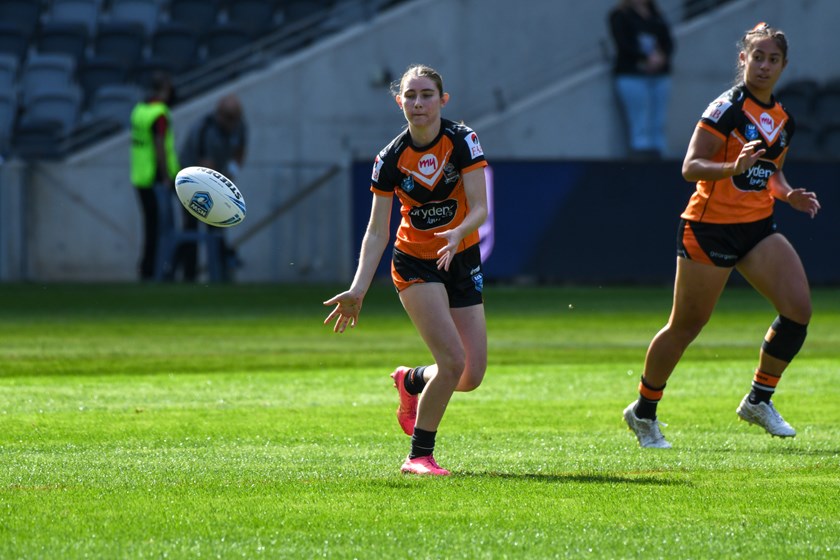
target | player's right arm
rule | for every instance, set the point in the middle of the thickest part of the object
(348, 304)
(699, 164)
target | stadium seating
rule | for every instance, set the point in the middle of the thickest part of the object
(798, 98)
(13, 40)
(66, 63)
(99, 71)
(199, 15)
(121, 40)
(115, 102)
(255, 16)
(24, 15)
(8, 113)
(177, 44)
(223, 39)
(60, 106)
(63, 37)
(826, 103)
(144, 12)
(84, 12)
(806, 144)
(144, 70)
(46, 72)
(829, 140)
(8, 72)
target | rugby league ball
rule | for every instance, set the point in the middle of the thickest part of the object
(210, 196)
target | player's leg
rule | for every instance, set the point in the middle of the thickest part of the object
(472, 328)
(775, 271)
(428, 306)
(697, 288)
(149, 206)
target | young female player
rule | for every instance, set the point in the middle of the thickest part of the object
(435, 168)
(735, 156)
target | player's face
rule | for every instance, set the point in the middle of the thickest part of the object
(763, 64)
(421, 101)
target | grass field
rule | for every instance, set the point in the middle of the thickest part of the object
(227, 421)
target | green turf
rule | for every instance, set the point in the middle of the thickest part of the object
(227, 421)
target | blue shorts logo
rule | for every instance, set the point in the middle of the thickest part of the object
(478, 280)
(201, 203)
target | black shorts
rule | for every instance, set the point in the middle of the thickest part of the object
(721, 245)
(464, 281)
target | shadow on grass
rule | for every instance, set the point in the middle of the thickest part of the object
(559, 478)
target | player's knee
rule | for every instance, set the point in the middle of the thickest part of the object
(799, 312)
(452, 366)
(785, 338)
(686, 331)
(471, 378)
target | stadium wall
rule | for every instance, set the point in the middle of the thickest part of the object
(532, 78)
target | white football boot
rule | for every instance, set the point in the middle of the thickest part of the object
(765, 415)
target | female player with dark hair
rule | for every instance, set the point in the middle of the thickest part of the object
(735, 156)
(435, 168)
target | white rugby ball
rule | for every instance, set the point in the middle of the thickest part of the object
(210, 196)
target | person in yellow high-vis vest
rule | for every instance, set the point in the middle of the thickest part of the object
(154, 162)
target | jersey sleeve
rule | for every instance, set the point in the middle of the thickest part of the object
(467, 151)
(719, 117)
(381, 182)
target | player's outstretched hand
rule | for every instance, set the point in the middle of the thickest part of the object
(348, 305)
(804, 201)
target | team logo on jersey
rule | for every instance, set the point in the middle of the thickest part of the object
(433, 215)
(750, 132)
(429, 180)
(428, 164)
(474, 145)
(767, 126)
(377, 167)
(756, 177)
(450, 174)
(716, 109)
(407, 184)
(783, 138)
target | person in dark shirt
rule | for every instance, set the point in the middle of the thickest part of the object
(642, 73)
(217, 141)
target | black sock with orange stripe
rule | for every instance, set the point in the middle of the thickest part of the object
(649, 397)
(763, 387)
(414, 381)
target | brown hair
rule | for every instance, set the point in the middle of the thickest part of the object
(420, 71)
(759, 33)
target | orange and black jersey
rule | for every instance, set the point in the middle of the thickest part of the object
(428, 181)
(737, 117)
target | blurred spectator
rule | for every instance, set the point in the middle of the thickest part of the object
(217, 141)
(642, 73)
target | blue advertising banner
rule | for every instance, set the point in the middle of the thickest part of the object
(612, 222)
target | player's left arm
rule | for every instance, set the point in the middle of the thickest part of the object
(799, 199)
(475, 188)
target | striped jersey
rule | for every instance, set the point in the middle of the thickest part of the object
(737, 117)
(428, 182)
